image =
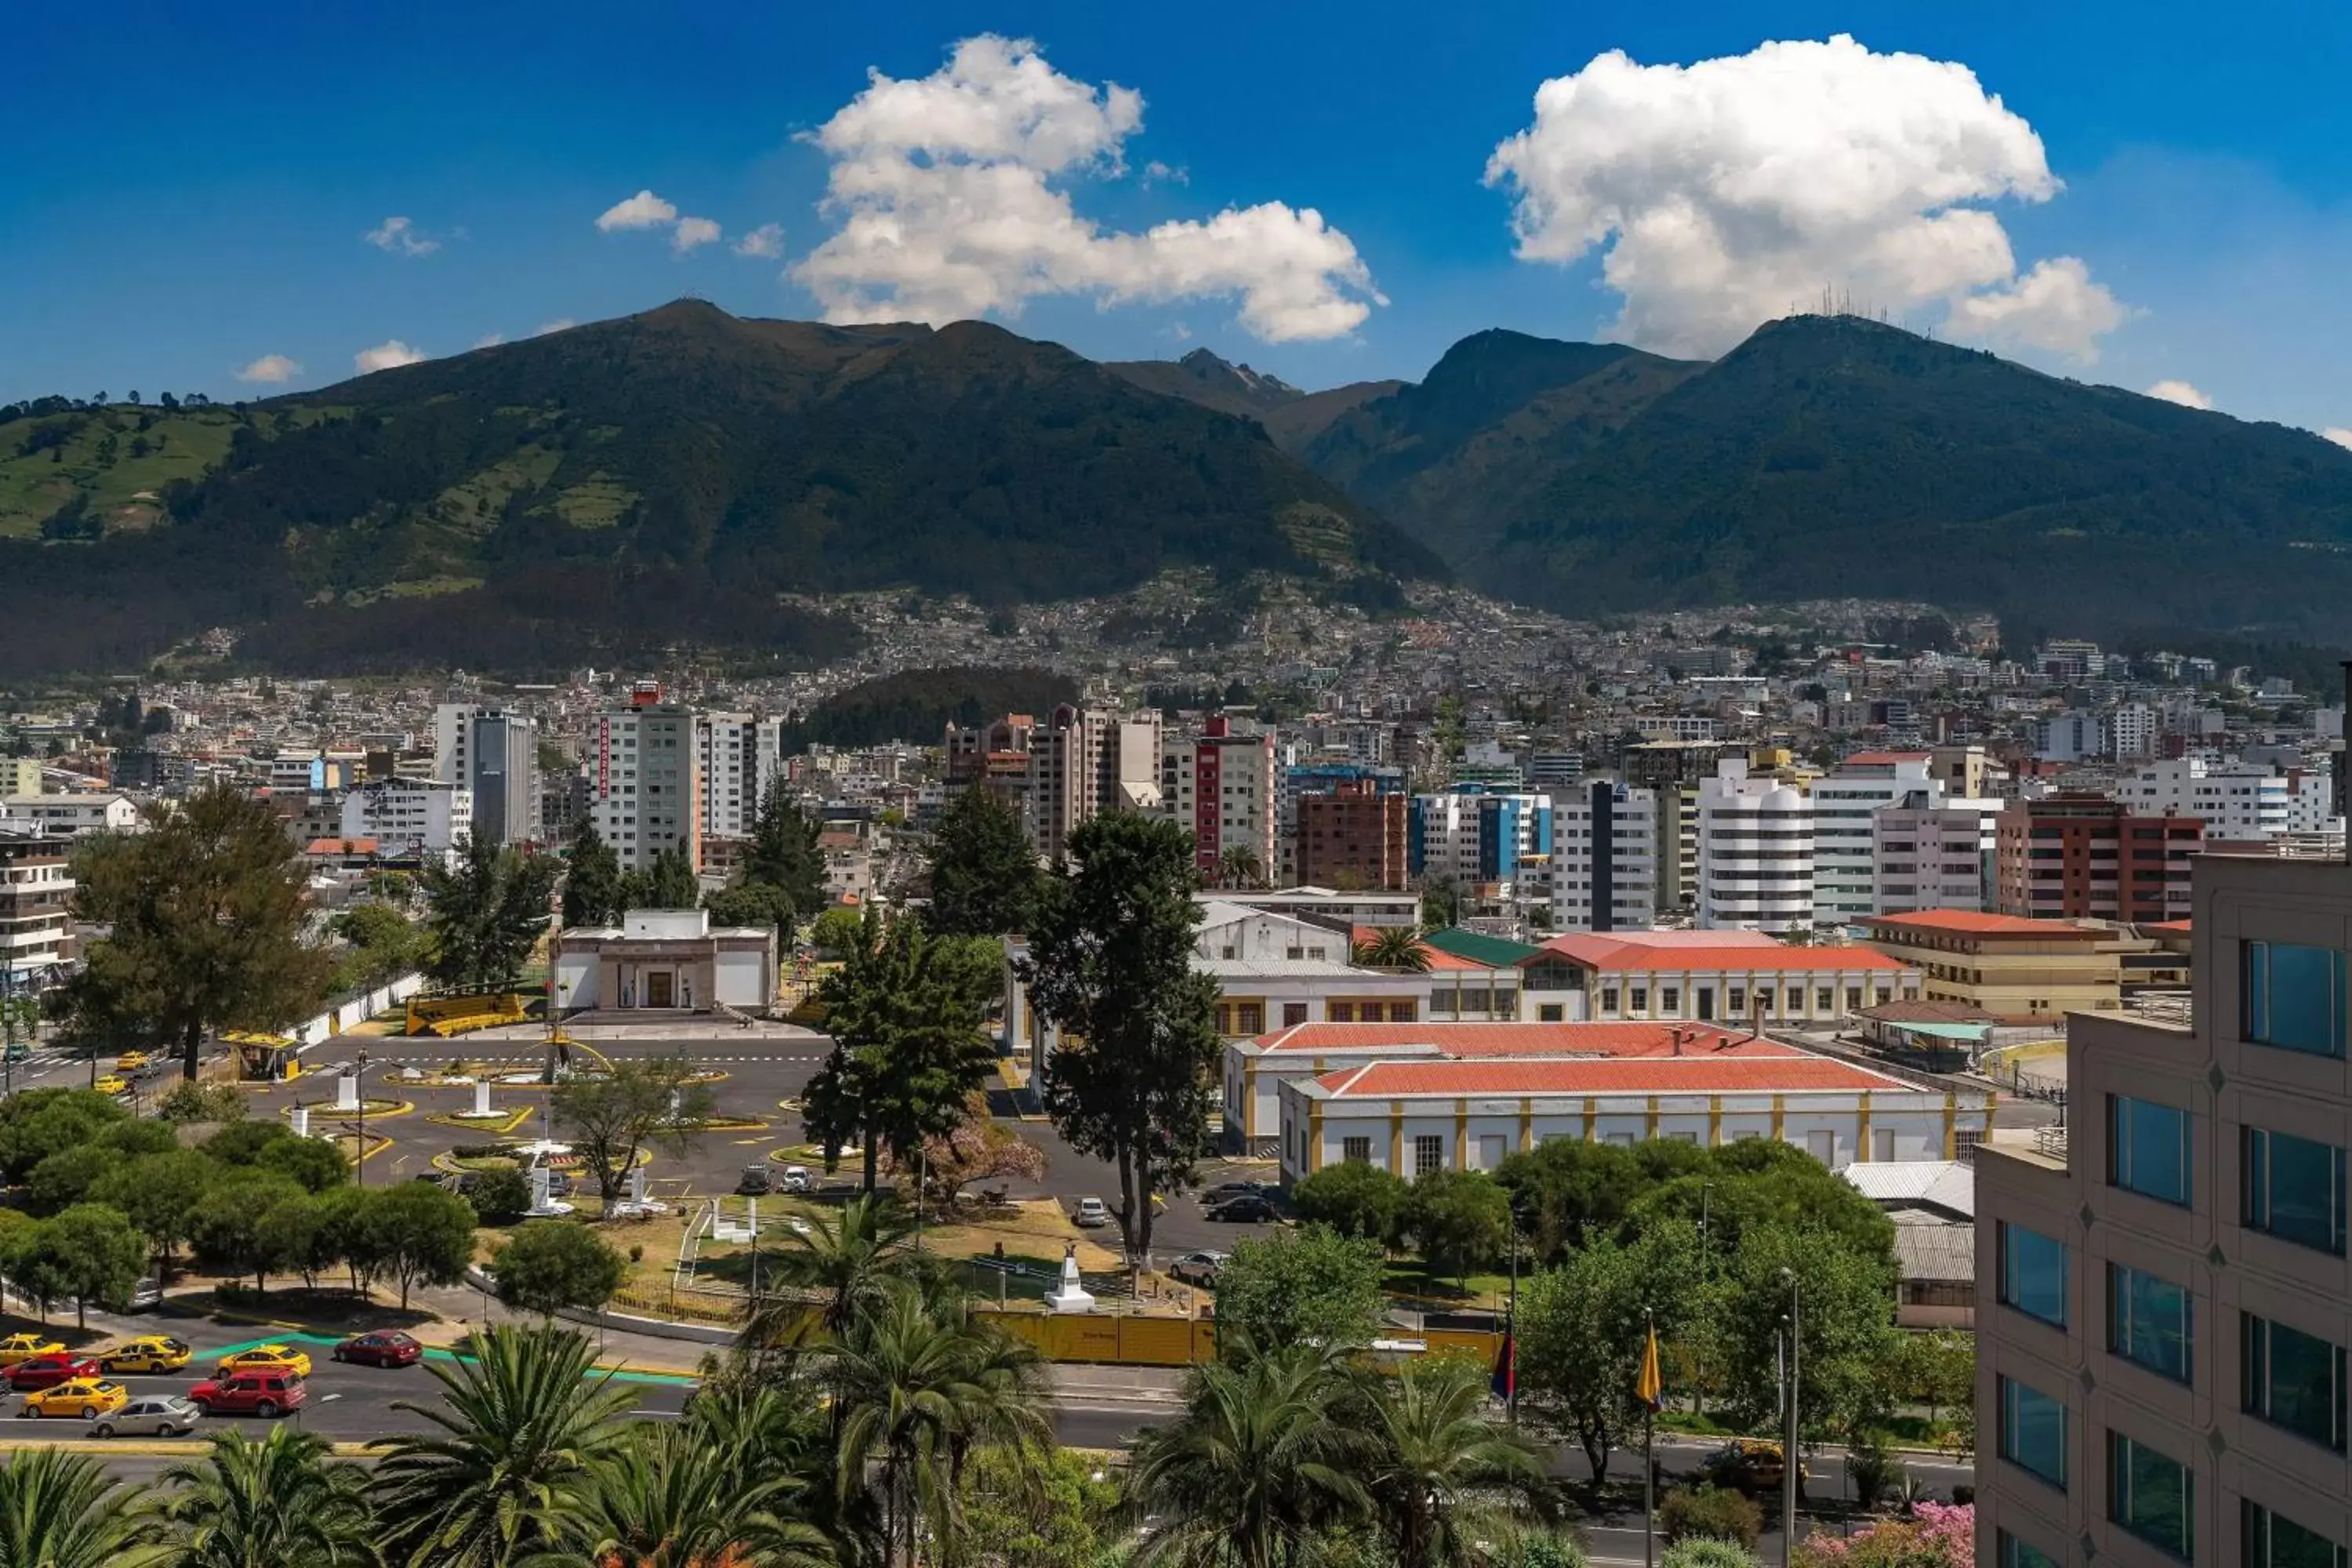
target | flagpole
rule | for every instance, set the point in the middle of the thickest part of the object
(1511, 1335)
(1649, 1458)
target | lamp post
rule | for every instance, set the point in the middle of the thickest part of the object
(1789, 1461)
(359, 1160)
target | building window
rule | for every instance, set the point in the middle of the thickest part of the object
(2033, 1432)
(2014, 1553)
(1293, 1013)
(1608, 999)
(2275, 1541)
(2032, 1274)
(1854, 998)
(1825, 999)
(1549, 1013)
(1428, 1154)
(1356, 1150)
(2150, 1495)
(2293, 997)
(2294, 1189)
(1404, 1011)
(1641, 999)
(2148, 1148)
(2293, 1380)
(1339, 1012)
(1252, 1017)
(1739, 1002)
(1670, 998)
(2149, 1322)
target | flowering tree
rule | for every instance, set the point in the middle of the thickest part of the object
(1939, 1535)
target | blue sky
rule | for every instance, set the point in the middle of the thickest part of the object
(186, 188)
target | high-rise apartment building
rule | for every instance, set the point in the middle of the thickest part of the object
(738, 754)
(1354, 836)
(1755, 852)
(1845, 804)
(2162, 1347)
(1086, 761)
(641, 782)
(1604, 858)
(1926, 855)
(2068, 856)
(491, 755)
(1473, 834)
(2244, 801)
(1219, 785)
(37, 885)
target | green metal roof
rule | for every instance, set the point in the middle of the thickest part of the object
(1946, 1031)
(1494, 952)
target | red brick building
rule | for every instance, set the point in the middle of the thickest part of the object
(1353, 837)
(2068, 857)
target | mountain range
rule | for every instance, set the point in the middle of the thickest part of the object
(672, 477)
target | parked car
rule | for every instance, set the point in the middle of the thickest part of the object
(147, 1295)
(148, 1352)
(88, 1397)
(1197, 1268)
(755, 1181)
(49, 1370)
(1247, 1209)
(385, 1347)
(24, 1347)
(266, 1358)
(1750, 1465)
(150, 1416)
(262, 1393)
(798, 1180)
(1225, 1192)
(1090, 1214)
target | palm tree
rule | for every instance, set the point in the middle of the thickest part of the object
(845, 1259)
(1259, 1464)
(61, 1510)
(679, 1496)
(249, 1504)
(1398, 948)
(1239, 867)
(518, 1431)
(1441, 1477)
(920, 1385)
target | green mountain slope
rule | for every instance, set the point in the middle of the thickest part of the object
(666, 478)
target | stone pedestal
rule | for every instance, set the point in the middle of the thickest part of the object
(346, 1092)
(1069, 1296)
(302, 1119)
(482, 1098)
(543, 1204)
(637, 1186)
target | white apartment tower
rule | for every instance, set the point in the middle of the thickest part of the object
(1755, 853)
(1219, 786)
(1926, 856)
(739, 755)
(641, 784)
(1845, 803)
(1084, 761)
(2241, 801)
(1604, 858)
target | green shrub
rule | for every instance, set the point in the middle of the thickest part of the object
(499, 1197)
(1712, 1513)
(1707, 1551)
(1873, 1470)
(1547, 1549)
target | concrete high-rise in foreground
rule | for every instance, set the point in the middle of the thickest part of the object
(2161, 1371)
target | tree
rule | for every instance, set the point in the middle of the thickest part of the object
(1060, 1513)
(62, 1511)
(36, 1123)
(667, 882)
(591, 880)
(753, 904)
(253, 1502)
(227, 1223)
(1239, 867)
(1257, 1465)
(976, 1150)
(508, 1455)
(384, 944)
(782, 852)
(66, 1177)
(1457, 1220)
(1110, 966)
(1846, 1326)
(1396, 948)
(159, 1194)
(675, 1497)
(345, 1233)
(909, 1047)
(637, 1103)
(419, 1234)
(203, 917)
(1581, 1328)
(1442, 1481)
(314, 1162)
(1567, 1192)
(486, 914)
(984, 874)
(91, 1252)
(186, 1103)
(1355, 1198)
(499, 1197)
(553, 1264)
(1307, 1287)
(836, 931)
(848, 1258)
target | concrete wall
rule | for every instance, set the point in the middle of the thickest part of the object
(358, 1009)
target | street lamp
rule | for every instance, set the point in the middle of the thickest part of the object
(359, 1161)
(1789, 1462)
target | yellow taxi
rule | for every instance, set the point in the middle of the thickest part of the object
(130, 1061)
(25, 1347)
(88, 1397)
(148, 1352)
(266, 1358)
(112, 1083)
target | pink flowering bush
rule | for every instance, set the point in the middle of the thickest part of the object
(1940, 1535)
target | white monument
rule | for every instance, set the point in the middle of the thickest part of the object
(482, 1099)
(346, 1092)
(302, 1122)
(1070, 1296)
(544, 1204)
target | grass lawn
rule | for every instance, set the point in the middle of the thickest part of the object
(1407, 1277)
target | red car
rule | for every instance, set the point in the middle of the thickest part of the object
(49, 1370)
(385, 1347)
(263, 1392)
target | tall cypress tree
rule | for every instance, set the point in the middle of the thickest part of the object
(782, 852)
(592, 887)
(985, 879)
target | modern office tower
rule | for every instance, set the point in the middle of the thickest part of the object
(1755, 852)
(2161, 1360)
(641, 782)
(492, 755)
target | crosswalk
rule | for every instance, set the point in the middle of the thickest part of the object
(532, 1060)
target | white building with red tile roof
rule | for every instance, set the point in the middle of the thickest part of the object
(1413, 1117)
(1708, 976)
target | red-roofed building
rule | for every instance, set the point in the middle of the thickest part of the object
(2012, 966)
(1255, 1069)
(1707, 976)
(1467, 1113)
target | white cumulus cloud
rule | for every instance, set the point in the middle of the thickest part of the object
(1733, 191)
(561, 324)
(644, 210)
(691, 232)
(390, 354)
(489, 340)
(767, 240)
(950, 194)
(272, 368)
(399, 237)
(2340, 434)
(2180, 392)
